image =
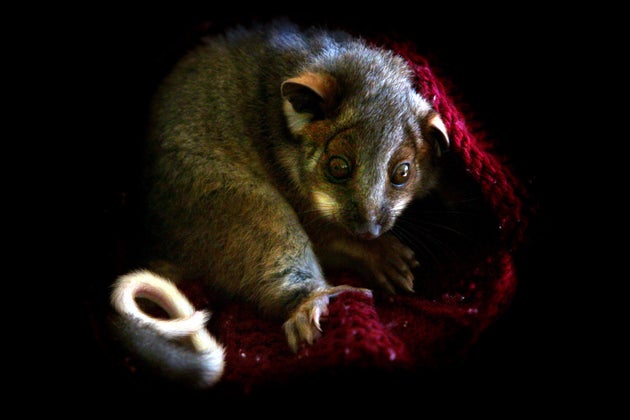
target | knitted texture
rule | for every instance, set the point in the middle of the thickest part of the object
(389, 333)
(500, 187)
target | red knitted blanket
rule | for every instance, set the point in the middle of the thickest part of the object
(401, 333)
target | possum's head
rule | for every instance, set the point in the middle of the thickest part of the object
(368, 143)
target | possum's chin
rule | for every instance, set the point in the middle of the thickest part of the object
(357, 225)
(368, 230)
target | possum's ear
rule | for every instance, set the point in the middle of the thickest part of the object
(308, 97)
(436, 133)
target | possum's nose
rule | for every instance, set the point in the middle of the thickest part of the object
(368, 221)
(368, 230)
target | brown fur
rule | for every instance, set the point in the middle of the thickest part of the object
(273, 154)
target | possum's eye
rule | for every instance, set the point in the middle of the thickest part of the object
(401, 174)
(339, 168)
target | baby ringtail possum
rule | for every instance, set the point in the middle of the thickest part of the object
(275, 153)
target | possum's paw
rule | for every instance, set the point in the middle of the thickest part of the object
(391, 263)
(303, 325)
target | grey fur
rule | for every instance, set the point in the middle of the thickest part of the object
(232, 186)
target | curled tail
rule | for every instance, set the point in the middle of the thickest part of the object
(158, 342)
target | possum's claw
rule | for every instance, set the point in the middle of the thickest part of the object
(391, 264)
(304, 322)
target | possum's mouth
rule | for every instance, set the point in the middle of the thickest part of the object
(368, 231)
(359, 226)
(367, 227)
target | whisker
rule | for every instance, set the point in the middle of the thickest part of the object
(414, 241)
(320, 216)
(421, 225)
(434, 238)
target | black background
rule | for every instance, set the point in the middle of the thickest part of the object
(501, 70)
